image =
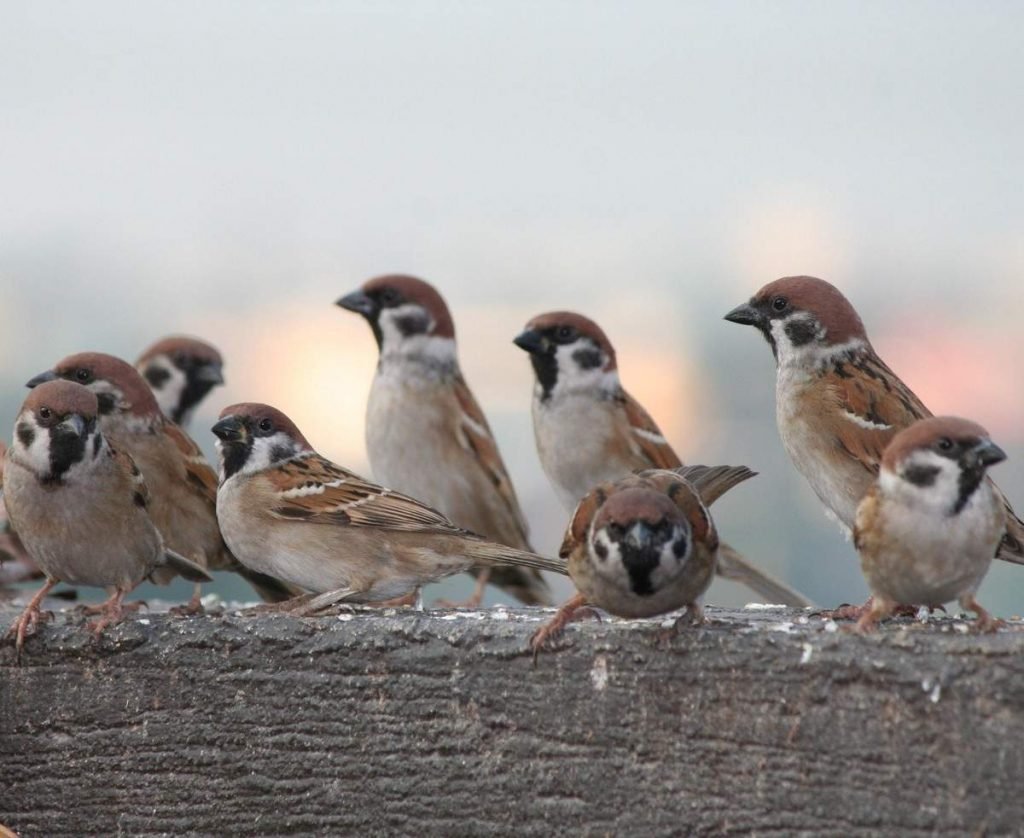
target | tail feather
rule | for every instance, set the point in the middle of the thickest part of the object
(732, 565)
(491, 554)
(185, 568)
(711, 482)
(1012, 547)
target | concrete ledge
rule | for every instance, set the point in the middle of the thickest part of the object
(439, 723)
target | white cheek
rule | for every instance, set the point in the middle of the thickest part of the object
(169, 393)
(572, 377)
(37, 455)
(941, 495)
(269, 450)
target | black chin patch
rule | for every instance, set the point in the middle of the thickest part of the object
(66, 449)
(921, 475)
(235, 454)
(545, 367)
(639, 564)
(194, 392)
(801, 331)
(26, 434)
(970, 480)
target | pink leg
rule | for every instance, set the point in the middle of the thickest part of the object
(575, 609)
(29, 618)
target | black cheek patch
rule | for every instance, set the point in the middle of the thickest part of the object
(97, 441)
(921, 475)
(801, 331)
(587, 359)
(280, 452)
(156, 376)
(679, 547)
(601, 550)
(26, 435)
(107, 402)
(412, 324)
(139, 499)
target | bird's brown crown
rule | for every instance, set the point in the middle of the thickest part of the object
(414, 290)
(820, 298)
(62, 397)
(926, 432)
(583, 325)
(638, 504)
(253, 413)
(87, 367)
(189, 347)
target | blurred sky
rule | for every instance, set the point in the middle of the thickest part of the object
(229, 169)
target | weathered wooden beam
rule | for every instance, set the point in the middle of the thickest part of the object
(440, 723)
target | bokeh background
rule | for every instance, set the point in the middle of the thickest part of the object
(229, 169)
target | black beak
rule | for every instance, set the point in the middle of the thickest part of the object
(531, 341)
(746, 315)
(986, 453)
(361, 303)
(42, 378)
(209, 374)
(229, 429)
(73, 424)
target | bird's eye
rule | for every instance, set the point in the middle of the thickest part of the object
(565, 333)
(266, 426)
(945, 444)
(83, 375)
(45, 413)
(780, 303)
(389, 297)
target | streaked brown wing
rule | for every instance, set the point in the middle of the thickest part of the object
(314, 489)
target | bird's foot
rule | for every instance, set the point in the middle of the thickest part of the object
(575, 609)
(111, 612)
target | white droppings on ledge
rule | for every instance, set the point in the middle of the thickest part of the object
(933, 687)
(831, 626)
(599, 673)
(763, 606)
(784, 627)
(808, 651)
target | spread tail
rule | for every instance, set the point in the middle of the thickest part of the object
(711, 482)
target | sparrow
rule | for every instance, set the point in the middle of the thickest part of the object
(80, 505)
(426, 435)
(837, 403)
(930, 524)
(181, 371)
(15, 564)
(644, 545)
(181, 482)
(589, 430)
(288, 512)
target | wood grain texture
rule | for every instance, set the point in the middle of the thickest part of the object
(437, 724)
